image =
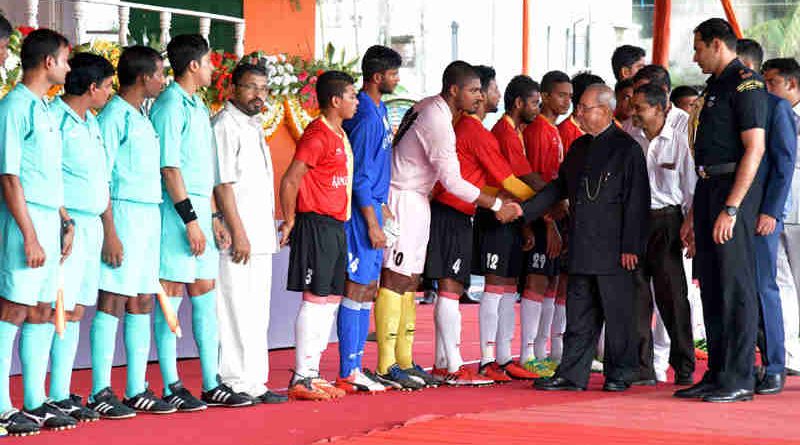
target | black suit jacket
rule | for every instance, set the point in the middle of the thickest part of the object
(605, 180)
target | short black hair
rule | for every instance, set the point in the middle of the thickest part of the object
(135, 61)
(787, 67)
(550, 79)
(86, 69)
(654, 95)
(579, 83)
(750, 49)
(655, 74)
(40, 44)
(458, 73)
(245, 68)
(622, 84)
(682, 91)
(487, 74)
(379, 59)
(332, 84)
(522, 87)
(717, 28)
(624, 57)
(5, 27)
(184, 49)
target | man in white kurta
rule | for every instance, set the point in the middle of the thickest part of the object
(246, 199)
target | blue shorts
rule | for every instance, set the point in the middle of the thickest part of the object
(177, 262)
(138, 227)
(81, 269)
(18, 282)
(363, 262)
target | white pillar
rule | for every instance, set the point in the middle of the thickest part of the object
(205, 27)
(124, 20)
(238, 32)
(166, 23)
(32, 13)
(77, 14)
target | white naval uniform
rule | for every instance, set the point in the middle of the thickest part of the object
(244, 290)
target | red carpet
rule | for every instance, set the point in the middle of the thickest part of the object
(508, 414)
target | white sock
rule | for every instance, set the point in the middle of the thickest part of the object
(448, 319)
(543, 332)
(440, 356)
(306, 333)
(505, 327)
(488, 317)
(326, 322)
(530, 315)
(557, 332)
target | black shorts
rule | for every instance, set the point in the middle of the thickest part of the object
(318, 255)
(498, 247)
(450, 246)
(537, 262)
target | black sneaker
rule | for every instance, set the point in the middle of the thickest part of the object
(270, 398)
(17, 424)
(400, 377)
(73, 407)
(50, 417)
(223, 395)
(108, 405)
(182, 399)
(427, 379)
(147, 402)
(389, 384)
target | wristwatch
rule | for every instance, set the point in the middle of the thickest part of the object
(731, 211)
(218, 215)
(65, 224)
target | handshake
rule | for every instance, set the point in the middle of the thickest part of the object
(506, 211)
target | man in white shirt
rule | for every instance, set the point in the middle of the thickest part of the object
(782, 77)
(246, 201)
(672, 179)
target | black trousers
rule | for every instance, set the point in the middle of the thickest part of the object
(727, 284)
(591, 300)
(662, 266)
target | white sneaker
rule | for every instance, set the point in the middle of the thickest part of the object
(597, 366)
(360, 379)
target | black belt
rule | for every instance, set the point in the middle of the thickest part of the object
(707, 171)
(668, 210)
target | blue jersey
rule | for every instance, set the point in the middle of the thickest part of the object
(370, 136)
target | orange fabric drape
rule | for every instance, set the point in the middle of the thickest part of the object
(661, 28)
(525, 37)
(731, 16)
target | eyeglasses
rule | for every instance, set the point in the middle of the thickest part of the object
(584, 108)
(255, 88)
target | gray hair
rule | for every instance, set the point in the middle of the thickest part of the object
(605, 95)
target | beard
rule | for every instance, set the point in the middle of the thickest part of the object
(385, 88)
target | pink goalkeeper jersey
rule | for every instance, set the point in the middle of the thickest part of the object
(426, 152)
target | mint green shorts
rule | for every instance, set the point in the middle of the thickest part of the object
(177, 262)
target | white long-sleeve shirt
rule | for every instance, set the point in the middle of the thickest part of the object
(670, 167)
(793, 201)
(426, 153)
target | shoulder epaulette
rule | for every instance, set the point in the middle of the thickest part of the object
(750, 84)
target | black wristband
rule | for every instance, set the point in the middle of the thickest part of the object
(186, 211)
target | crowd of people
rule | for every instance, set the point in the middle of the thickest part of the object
(582, 199)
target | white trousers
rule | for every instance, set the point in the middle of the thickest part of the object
(788, 281)
(243, 310)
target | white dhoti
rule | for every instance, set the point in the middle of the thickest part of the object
(243, 311)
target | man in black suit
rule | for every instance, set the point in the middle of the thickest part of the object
(604, 176)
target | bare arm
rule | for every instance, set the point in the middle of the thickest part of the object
(113, 252)
(173, 181)
(290, 185)
(15, 201)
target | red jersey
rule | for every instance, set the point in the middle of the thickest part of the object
(544, 148)
(569, 131)
(480, 159)
(511, 146)
(326, 187)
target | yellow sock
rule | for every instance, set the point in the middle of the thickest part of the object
(387, 322)
(405, 338)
